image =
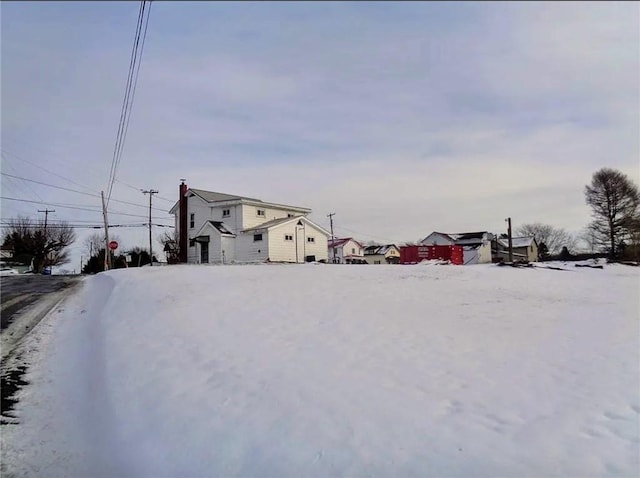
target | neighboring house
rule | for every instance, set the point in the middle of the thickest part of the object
(346, 251)
(523, 248)
(387, 254)
(222, 228)
(476, 245)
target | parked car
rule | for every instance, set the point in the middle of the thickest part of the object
(8, 271)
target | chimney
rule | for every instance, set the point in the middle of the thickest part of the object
(183, 240)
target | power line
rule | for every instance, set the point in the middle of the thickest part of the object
(5, 152)
(117, 213)
(75, 191)
(138, 189)
(127, 103)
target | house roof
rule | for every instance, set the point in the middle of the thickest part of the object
(378, 250)
(517, 241)
(461, 238)
(342, 241)
(219, 226)
(213, 197)
(284, 220)
(273, 222)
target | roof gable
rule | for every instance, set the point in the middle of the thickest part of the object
(217, 226)
(342, 241)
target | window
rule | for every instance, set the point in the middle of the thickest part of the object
(257, 237)
(192, 220)
(376, 262)
(289, 215)
(311, 239)
(260, 212)
(353, 250)
(192, 243)
(226, 212)
(288, 237)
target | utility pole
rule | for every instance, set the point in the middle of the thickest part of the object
(107, 251)
(510, 239)
(150, 192)
(46, 217)
(333, 239)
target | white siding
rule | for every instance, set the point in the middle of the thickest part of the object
(281, 250)
(228, 249)
(484, 253)
(250, 216)
(233, 222)
(375, 259)
(436, 239)
(249, 251)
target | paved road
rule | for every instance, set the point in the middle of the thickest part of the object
(19, 291)
(24, 301)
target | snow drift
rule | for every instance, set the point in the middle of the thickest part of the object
(330, 370)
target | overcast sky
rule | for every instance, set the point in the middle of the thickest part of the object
(402, 118)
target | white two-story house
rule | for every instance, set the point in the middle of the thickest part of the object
(346, 251)
(222, 228)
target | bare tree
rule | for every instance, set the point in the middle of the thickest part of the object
(171, 246)
(614, 201)
(44, 246)
(553, 238)
(94, 243)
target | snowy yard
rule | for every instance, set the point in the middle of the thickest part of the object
(318, 370)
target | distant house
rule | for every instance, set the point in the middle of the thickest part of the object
(387, 254)
(218, 228)
(476, 245)
(346, 251)
(523, 248)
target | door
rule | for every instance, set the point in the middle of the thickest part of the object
(204, 253)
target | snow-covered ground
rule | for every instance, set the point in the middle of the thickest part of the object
(320, 370)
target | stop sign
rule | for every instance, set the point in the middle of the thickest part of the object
(113, 245)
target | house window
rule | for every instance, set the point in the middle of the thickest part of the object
(226, 212)
(353, 251)
(192, 243)
(311, 239)
(376, 262)
(257, 237)
(260, 212)
(192, 220)
(288, 237)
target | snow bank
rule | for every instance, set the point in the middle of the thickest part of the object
(337, 371)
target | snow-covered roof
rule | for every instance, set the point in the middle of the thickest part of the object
(342, 241)
(517, 241)
(378, 250)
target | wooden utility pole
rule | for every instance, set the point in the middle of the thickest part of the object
(333, 248)
(150, 192)
(107, 251)
(510, 239)
(46, 217)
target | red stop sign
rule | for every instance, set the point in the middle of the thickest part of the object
(113, 245)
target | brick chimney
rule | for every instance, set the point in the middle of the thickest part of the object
(183, 240)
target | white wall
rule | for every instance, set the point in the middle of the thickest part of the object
(249, 251)
(484, 253)
(436, 239)
(228, 249)
(250, 217)
(281, 250)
